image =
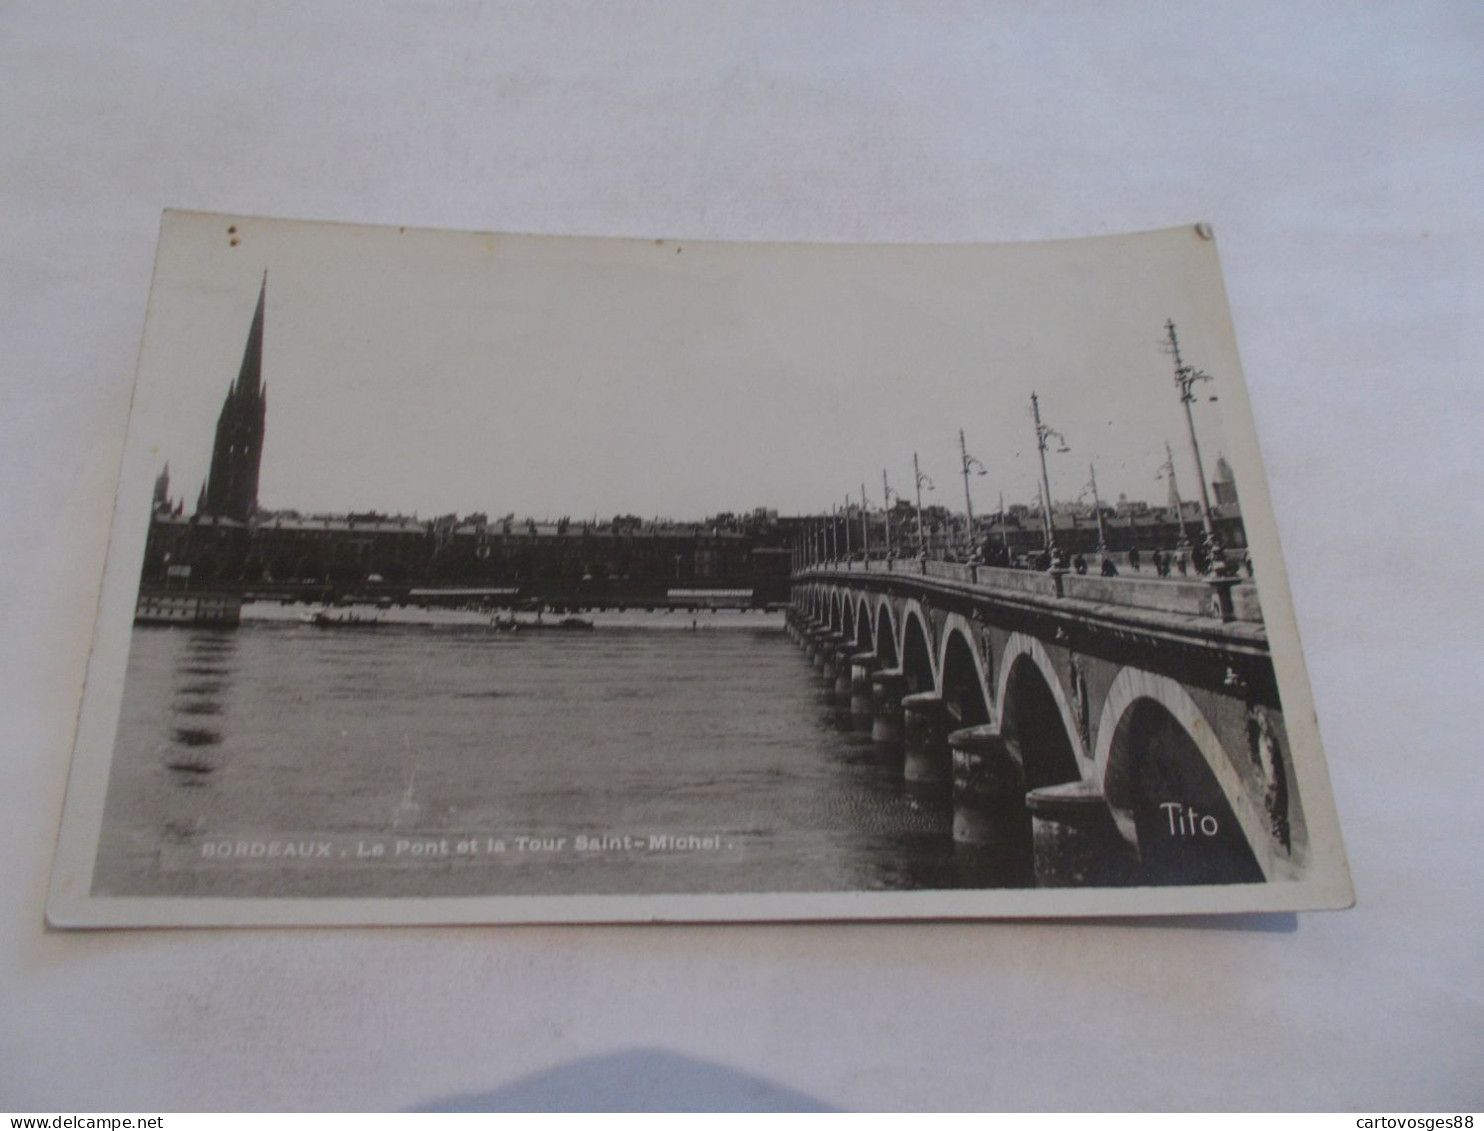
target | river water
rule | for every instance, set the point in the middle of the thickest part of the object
(279, 759)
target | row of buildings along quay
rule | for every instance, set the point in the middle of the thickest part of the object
(622, 559)
(228, 544)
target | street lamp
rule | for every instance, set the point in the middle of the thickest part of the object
(1044, 434)
(1004, 529)
(1167, 471)
(865, 528)
(921, 478)
(1186, 377)
(969, 464)
(886, 496)
(1097, 509)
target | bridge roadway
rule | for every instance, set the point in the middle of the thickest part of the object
(1099, 731)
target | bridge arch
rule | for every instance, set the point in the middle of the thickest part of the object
(865, 638)
(962, 675)
(916, 652)
(1159, 759)
(1035, 718)
(847, 614)
(886, 634)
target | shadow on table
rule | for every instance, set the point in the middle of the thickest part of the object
(635, 1080)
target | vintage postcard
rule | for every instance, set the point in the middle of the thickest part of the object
(462, 577)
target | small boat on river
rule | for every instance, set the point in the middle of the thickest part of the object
(566, 624)
(325, 618)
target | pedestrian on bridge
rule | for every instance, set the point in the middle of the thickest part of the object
(1200, 559)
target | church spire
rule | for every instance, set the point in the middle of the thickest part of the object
(161, 500)
(231, 489)
(250, 377)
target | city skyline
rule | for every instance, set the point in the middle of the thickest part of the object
(614, 381)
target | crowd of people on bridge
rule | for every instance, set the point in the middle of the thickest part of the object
(1192, 560)
(1186, 561)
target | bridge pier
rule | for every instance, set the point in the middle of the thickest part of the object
(1077, 843)
(844, 659)
(925, 737)
(825, 662)
(989, 808)
(862, 666)
(833, 652)
(808, 633)
(887, 688)
(819, 638)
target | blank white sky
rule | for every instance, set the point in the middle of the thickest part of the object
(434, 372)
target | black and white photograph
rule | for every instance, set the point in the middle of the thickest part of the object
(479, 577)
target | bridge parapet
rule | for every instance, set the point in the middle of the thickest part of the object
(1019, 580)
(1224, 599)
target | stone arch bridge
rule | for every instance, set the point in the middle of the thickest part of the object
(1093, 731)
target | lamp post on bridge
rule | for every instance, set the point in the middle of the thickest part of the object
(1004, 529)
(917, 474)
(1043, 434)
(1044, 511)
(865, 528)
(969, 464)
(1186, 377)
(1097, 509)
(1167, 471)
(886, 494)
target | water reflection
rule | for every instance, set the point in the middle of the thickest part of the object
(189, 755)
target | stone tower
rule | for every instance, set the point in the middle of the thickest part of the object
(1225, 483)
